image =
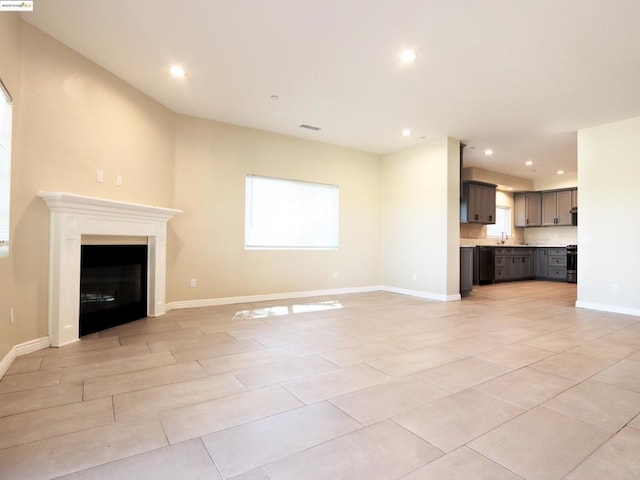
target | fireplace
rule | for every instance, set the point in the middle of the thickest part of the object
(76, 216)
(113, 286)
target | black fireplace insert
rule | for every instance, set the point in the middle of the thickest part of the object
(113, 286)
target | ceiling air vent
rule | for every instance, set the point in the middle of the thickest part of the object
(310, 127)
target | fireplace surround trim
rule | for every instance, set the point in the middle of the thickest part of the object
(71, 217)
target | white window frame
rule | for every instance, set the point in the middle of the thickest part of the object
(6, 120)
(284, 214)
(496, 230)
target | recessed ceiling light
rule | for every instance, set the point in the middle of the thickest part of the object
(560, 172)
(488, 152)
(406, 132)
(408, 56)
(177, 71)
(274, 97)
(528, 163)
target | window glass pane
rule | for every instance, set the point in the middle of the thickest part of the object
(283, 213)
(6, 110)
(503, 223)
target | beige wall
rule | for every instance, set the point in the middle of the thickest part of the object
(567, 180)
(608, 229)
(420, 214)
(71, 118)
(207, 240)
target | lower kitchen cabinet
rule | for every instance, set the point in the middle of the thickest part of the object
(513, 264)
(466, 270)
(551, 263)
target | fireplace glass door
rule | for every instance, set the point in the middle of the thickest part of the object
(113, 286)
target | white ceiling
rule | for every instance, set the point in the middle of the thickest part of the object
(517, 76)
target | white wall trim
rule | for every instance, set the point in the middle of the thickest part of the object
(22, 349)
(608, 308)
(213, 302)
(421, 294)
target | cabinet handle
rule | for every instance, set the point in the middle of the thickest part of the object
(527, 222)
(491, 218)
(477, 217)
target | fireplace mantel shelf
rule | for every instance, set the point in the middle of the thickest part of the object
(73, 216)
(81, 203)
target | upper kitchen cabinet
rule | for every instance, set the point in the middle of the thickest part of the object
(478, 203)
(528, 211)
(556, 208)
(574, 198)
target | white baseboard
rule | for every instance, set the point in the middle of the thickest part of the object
(22, 349)
(421, 294)
(608, 308)
(213, 302)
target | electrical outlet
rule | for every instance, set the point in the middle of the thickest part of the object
(335, 275)
(100, 176)
(119, 180)
(194, 283)
(11, 319)
(614, 288)
(414, 276)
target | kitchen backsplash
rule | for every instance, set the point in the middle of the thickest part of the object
(472, 234)
(551, 235)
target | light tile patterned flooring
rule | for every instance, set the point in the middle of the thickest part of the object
(511, 383)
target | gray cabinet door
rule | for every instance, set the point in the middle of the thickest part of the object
(520, 209)
(489, 202)
(466, 270)
(534, 209)
(540, 263)
(563, 207)
(548, 208)
(574, 198)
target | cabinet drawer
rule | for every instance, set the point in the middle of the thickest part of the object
(556, 261)
(557, 273)
(504, 251)
(500, 273)
(558, 251)
(500, 260)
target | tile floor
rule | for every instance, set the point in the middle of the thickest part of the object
(511, 383)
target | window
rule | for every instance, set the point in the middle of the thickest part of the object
(6, 110)
(289, 214)
(503, 223)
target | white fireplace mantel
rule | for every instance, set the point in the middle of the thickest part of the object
(73, 216)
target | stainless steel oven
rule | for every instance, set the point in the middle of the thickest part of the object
(572, 263)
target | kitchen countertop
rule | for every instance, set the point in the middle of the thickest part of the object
(515, 246)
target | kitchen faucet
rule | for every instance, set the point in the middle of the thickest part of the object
(503, 238)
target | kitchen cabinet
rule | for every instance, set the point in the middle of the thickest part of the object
(551, 263)
(466, 270)
(574, 198)
(540, 263)
(556, 208)
(513, 263)
(528, 211)
(478, 203)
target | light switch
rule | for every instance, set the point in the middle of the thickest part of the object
(100, 176)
